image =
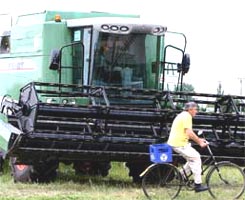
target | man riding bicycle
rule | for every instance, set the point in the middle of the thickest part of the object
(180, 134)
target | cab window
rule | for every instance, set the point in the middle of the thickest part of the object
(5, 44)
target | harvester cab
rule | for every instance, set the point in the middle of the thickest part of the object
(131, 55)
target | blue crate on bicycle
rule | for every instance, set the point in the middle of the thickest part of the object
(160, 153)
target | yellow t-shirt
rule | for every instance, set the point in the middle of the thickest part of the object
(177, 136)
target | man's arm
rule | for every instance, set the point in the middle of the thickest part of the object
(200, 141)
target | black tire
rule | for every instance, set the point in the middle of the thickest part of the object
(226, 179)
(161, 181)
(92, 168)
(1, 163)
(45, 172)
(135, 169)
(20, 173)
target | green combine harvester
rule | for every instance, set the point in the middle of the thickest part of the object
(90, 88)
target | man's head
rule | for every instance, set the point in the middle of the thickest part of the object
(191, 107)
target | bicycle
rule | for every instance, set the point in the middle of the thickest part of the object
(164, 180)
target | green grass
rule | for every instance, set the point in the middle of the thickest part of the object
(116, 186)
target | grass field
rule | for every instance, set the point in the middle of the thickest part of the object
(117, 186)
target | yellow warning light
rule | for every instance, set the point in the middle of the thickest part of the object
(57, 18)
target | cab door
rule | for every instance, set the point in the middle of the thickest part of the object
(83, 35)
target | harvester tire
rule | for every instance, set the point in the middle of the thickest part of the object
(21, 173)
(45, 172)
(1, 164)
(92, 168)
(135, 169)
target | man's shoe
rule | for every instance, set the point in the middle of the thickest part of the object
(200, 188)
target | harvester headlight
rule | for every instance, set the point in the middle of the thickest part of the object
(105, 27)
(159, 30)
(114, 28)
(156, 30)
(124, 28)
(162, 30)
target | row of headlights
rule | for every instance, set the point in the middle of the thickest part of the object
(155, 30)
(107, 27)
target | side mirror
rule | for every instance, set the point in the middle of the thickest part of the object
(186, 62)
(55, 60)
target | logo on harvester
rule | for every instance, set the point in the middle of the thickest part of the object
(164, 157)
(17, 64)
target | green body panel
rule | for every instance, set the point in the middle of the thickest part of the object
(49, 33)
(151, 55)
(23, 70)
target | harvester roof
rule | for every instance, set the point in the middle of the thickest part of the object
(118, 25)
(45, 16)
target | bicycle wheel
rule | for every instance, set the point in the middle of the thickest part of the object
(226, 180)
(161, 181)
